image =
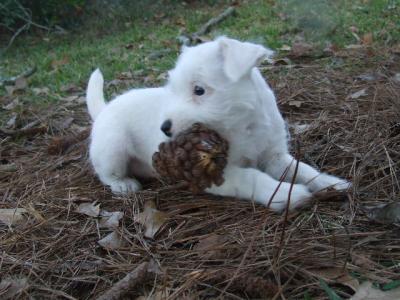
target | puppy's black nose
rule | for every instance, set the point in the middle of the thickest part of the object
(166, 128)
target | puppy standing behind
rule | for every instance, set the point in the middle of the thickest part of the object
(216, 83)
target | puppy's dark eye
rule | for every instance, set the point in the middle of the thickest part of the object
(198, 90)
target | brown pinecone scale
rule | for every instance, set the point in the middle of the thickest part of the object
(197, 156)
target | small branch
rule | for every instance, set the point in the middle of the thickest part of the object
(196, 37)
(17, 33)
(214, 21)
(133, 278)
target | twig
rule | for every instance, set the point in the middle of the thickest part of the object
(214, 21)
(288, 202)
(12, 80)
(138, 275)
(17, 33)
(196, 37)
(27, 19)
(262, 225)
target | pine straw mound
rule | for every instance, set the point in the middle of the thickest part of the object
(213, 246)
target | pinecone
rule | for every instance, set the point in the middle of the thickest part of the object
(197, 156)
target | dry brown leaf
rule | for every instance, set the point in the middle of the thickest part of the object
(11, 287)
(367, 292)
(285, 48)
(12, 216)
(12, 122)
(300, 128)
(21, 83)
(354, 47)
(70, 88)
(296, 103)
(210, 246)
(362, 260)
(385, 214)
(13, 104)
(55, 64)
(110, 219)
(336, 275)
(359, 94)
(10, 89)
(89, 209)
(62, 124)
(353, 29)
(367, 38)
(71, 98)
(151, 218)
(112, 241)
(41, 91)
(301, 48)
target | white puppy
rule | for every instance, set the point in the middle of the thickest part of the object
(216, 83)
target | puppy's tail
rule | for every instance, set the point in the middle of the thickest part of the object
(94, 94)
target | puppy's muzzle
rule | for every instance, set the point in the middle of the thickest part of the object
(166, 128)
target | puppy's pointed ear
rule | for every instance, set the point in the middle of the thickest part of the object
(239, 58)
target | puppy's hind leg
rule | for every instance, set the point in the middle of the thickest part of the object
(111, 165)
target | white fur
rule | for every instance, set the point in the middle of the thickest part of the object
(238, 103)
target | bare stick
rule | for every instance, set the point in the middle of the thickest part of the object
(138, 275)
(196, 37)
(214, 21)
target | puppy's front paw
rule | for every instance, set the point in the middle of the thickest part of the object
(125, 186)
(324, 181)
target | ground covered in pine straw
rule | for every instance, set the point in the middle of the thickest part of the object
(344, 113)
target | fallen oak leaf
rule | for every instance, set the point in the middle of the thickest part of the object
(151, 218)
(12, 216)
(20, 83)
(384, 213)
(110, 219)
(112, 241)
(55, 64)
(296, 103)
(41, 91)
(301, 49)
(12, 122)
(13, 104)
(336, 275)
(359, 94)
(91, 209)
(210, 246)
(367, 292)
(367, 38)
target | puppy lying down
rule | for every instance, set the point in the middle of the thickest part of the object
(216, 83)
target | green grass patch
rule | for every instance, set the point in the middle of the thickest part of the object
(69, 59)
